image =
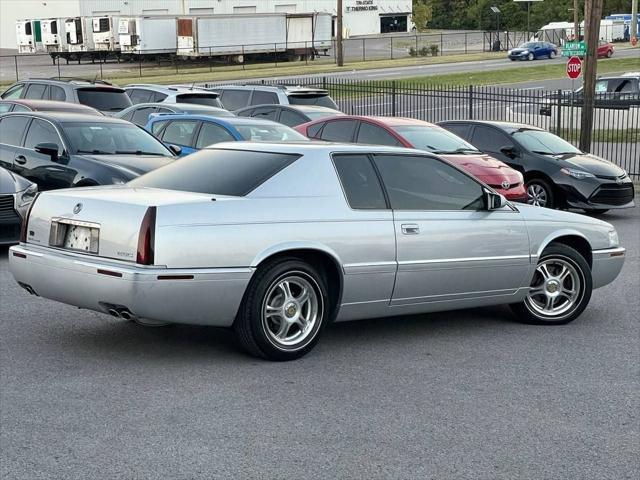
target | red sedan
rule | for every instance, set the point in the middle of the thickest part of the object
(407, 132)
(605, 49)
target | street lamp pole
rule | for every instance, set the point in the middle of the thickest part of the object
(339, 51)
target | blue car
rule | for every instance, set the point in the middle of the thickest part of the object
(193, 132)
(533, 51)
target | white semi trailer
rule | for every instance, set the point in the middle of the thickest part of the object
(241, 35)
(53, 37)
(78, 35)
(147, 35)
(105, 34)
(29, 36)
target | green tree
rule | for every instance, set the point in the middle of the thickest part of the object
(422, 13)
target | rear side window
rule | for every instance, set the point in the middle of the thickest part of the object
(159, 97)
(489, 139)
(13, 92)
(314, 130)
(42, 132)
(5, 107)
(36, 91)
(180, 132)
(209, 100)
(359, 182)
(211, 133)
(459, 129)
(264, 98)
(57, 93)
(156, 127)
(338, 131)
(235, 99)
(374, 135)
(141, 115)
(268, 113)
(11, 129)
(20, 108)
(139, 95)
(291, 119)
(222, 172)
(104, 99)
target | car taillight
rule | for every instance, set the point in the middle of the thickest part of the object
(24, 228)
(146, 238)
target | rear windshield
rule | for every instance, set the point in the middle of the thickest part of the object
(322, 99)
(216, 171)
(104, 99)
(210, 100)
(271, 132)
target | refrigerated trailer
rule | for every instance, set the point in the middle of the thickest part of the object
(53, 38)
(238, 36)
(29, 36)
(105, 34)
(147, 35)
(78, 35)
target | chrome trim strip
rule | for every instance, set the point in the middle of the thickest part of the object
(607, 252)
(467, 259)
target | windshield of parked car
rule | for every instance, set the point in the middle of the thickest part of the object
(541, 141)
(112, 139)
(527, 45)
(433, 139)
(318, 114)
(217, 171)
(321, 99)
(104, 99)
(269, 133)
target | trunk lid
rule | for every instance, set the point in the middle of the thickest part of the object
(114, 215)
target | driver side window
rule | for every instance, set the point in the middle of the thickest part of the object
(426, 183)
(42, 132)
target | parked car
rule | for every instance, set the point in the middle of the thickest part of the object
(97, 94)
(289, 115)
(60, 150)
(557, 174)
(533, 51)
(24, 105)
(278, 240)
(140, 113)
(411, 133)
(146, 93)
(194, 132)
(235, 97)
(16, 195)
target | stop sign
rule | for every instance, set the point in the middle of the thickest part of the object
(574, 67)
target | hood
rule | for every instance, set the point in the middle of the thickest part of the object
(132, 165)
(485, 167)
(518, 50)
(531, 213)
(592, 164)
(11, 183)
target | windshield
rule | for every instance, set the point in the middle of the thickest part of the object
(322, 99)
(433, 139)
(112, 138)
(318, 114)
(269, 133)
(213, 171)
(541, 141)
(104, 99)
(527, 45)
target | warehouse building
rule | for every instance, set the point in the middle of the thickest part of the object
(361, 17)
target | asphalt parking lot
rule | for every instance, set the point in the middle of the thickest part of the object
(467, 394)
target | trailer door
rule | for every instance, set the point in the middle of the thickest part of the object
(299, 31)
(38, 31)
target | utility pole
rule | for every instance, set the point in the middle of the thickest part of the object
(633, 28)
(576, 21)
(592, 16)
(339, 51)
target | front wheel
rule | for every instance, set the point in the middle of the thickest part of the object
(284, 310)
(530, 56)
(609, 53)
(539, 193)
(560, 289)
(552, 55)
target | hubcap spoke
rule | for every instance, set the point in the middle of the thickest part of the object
(283, 329)
(556, 288)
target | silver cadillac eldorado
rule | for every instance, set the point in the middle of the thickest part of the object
(278, 240)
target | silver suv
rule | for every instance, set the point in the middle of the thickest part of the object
(150, 93)
(234, 97)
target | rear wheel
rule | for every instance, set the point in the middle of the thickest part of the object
(560, 289)
(539, 193)
(284, 310)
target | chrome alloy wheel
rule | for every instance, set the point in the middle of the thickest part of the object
(537, 195)
(556, 289)
(290, 310)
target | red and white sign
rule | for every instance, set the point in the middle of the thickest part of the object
(574, 67)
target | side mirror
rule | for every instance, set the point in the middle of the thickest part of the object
(494, 201)
(50, 149)
(175, 149)
(509, 151)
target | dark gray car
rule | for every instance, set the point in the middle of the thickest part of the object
(16, 194)
(140, 113)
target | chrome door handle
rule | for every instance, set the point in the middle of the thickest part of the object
(21, 159)
(410, 228)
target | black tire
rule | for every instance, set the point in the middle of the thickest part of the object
(525, 312)
(251, 325)
(536, 183)
(609, 53)
(531, 56)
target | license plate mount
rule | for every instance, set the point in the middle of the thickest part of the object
(75, 235)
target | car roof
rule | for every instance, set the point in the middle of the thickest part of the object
(179, 106)
(209, 118)
(282, 88)
(51, 105)
(506, 126)
(301, 147)
(168, 89)
(73, 81)
(70, 117)
(386, 121)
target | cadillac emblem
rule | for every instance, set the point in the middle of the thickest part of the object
(77, 208)
(505, 184)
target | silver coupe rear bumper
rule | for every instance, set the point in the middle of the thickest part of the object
(606, 265)
(205, 296)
